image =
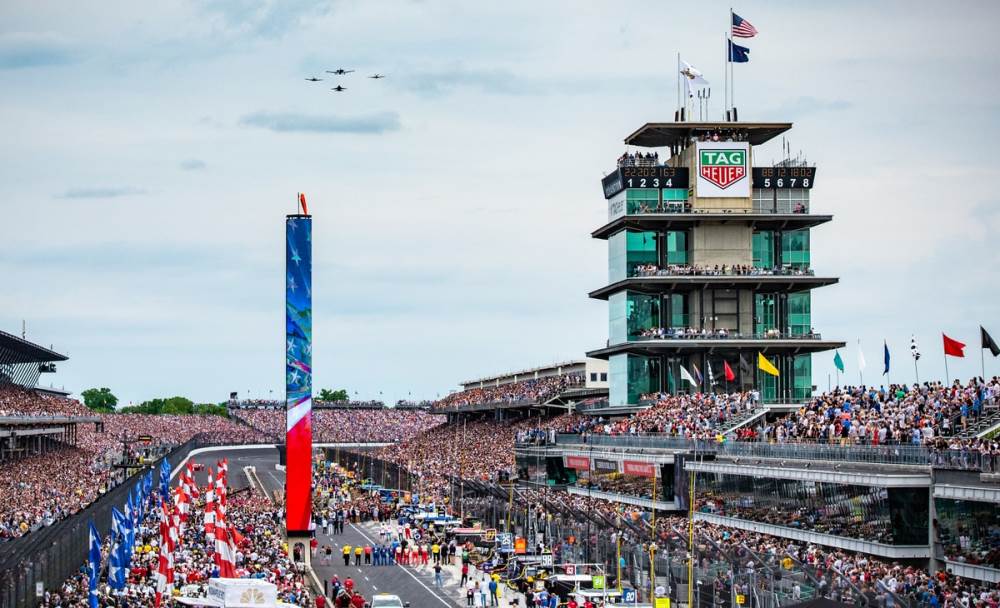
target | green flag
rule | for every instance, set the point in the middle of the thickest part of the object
(838, 361)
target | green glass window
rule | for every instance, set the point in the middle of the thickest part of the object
(676, 246)
(617, 315)
(799, 314)
(616, 257)
(763, 249)
(764, 312)
(642, 200)
(674, 199)
(632, 376)
(630, 314)
(795, 248)
(618, 379)
(802, 377)
(675, 310)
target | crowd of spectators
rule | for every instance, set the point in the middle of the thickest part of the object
(917, 414)
(277, 404)
(19, 401)
(717, 270)
(336, 425)
(38, 489)
(531, 390)
(262, 554)
(698, 416)
(639, 159)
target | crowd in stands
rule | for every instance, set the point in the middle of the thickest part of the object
(19, 401)
(261, 555)
(917, 414)
(521, 391)
(698, 416)
(317, 403)
(717, 270)
(639, 159)
(37, 490)
(692, 333)
(361, 425)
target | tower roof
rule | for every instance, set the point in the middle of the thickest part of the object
(664, 134)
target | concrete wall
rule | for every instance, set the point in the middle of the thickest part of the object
(729, 244)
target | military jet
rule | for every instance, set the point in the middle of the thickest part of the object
(314, 79)
(338, 88)
(377, 76)
(339, 71)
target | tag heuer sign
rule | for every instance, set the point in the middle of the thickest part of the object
(723, 169)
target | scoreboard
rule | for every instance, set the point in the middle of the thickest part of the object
(781, 178)
(644, 177)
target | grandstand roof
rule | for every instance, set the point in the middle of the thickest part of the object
(523, 372)
(19, 350)
(663, 134)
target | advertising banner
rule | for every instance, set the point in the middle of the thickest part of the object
(605, 466)
(723, 169)
(580, 463)
(640, 469)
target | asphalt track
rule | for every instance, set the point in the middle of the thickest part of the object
(414, 585)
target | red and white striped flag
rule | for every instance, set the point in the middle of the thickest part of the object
(165, 566)
(743, 28)
(209, 521)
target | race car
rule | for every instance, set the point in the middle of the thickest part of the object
(387, 600)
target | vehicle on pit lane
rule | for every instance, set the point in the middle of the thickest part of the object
(387, 600)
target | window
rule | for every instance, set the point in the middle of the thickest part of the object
(642, 200)
(593, 376)
(763, 249)
(764, 312)
(763, 200)
(604, 377)
(802, 377)
(674, 199)
(799, 314)
(676, 246)
(795, 248)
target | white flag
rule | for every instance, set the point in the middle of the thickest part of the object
(861, 358)
(686, 376)
(693, 78)
(914, 349)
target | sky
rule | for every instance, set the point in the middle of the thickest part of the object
(151, 151)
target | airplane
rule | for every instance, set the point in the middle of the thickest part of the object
(314, 79)
(338, 88)
(339, 71)
(377, 76)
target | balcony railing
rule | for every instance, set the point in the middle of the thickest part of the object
(690, 333)
(682, 270)
(902, 454)
(650, 207)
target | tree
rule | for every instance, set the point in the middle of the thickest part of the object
(329, 395)
(99, 399)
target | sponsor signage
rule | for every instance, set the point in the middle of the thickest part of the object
(520, 545)
(570, 569)
(580, 463)
(780, 178)
(645, 177)
(506, 541)
(640, 469)
(723, 169)
(606, 466)
(616, 206)
(628, 596)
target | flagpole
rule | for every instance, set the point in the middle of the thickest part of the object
(725, 77)
(732, 72)
(946, 374)
(916, 374)
(982, 357)
(678, 85)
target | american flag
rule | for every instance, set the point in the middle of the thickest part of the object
(743, 28)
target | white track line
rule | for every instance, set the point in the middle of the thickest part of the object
(413, 576)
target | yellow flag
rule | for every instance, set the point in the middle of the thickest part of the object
(765, 366)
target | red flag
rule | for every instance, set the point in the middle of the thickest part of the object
(302, 201)
(730, 376)
(953, 347)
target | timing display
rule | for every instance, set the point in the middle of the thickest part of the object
(784, 177)
(644, 177)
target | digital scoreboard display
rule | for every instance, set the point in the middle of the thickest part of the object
(784, 177)
(644, 177)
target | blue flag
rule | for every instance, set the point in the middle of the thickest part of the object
(738, 54)
(130, 522)
(886, 347)
(165, 480)
(119, 540)
(93, 565)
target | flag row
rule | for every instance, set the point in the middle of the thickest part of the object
(950, 348)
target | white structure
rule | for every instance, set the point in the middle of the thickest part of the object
(594, 373)
(238, 593)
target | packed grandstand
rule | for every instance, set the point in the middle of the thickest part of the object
(40, 489)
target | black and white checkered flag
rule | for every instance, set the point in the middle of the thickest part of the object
(914, 349)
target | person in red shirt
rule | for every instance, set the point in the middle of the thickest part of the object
(572, 604)
(320, 601)
(357, 601)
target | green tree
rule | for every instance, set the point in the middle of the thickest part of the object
(329, 395)
(99, 399)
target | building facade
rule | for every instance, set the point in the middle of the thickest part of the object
(709, 265)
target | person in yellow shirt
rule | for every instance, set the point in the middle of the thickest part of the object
(436, 552)
(347, 555)
(357, 555)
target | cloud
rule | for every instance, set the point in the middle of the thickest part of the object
(498, 81)
(193, 164)
(23, 50)
(288, 122)
(102, 192)
(269, 18)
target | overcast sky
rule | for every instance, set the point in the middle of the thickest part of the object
(151, 150)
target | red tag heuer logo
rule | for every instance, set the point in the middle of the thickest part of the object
(723, 167)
